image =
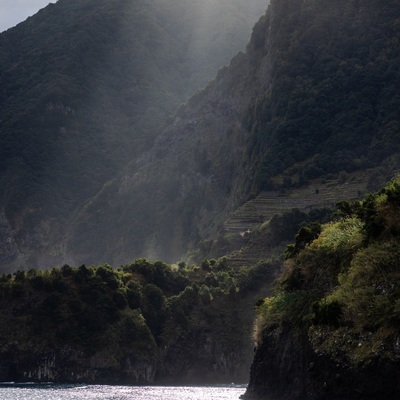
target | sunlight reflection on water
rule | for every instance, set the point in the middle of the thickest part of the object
(102, 392)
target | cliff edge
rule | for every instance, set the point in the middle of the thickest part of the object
(331, 330)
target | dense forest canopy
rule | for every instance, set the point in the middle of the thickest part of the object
(332, 105)
(142, 323)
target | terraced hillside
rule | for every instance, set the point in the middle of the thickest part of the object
(318, 195)
(253, 216)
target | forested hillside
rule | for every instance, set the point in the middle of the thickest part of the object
(313, 98)
(139, 324)
(84, 87)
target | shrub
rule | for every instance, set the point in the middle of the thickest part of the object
(326, 313)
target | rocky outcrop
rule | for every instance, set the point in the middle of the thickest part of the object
(70, 365)
(202, 358)
(331, 330)
(205, 361)
(286, 366)
(8, 246)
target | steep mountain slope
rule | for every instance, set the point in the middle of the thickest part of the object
(314, 96)
(84, 87)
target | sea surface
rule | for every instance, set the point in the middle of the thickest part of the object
(104, 392)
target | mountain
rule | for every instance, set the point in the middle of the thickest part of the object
(306, 117)
(331, 330)
(85, 85)
(311, 103)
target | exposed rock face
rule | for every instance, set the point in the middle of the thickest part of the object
(206, 361)
(8, 246)
(285, 366)
(277, 370)
(70, 365)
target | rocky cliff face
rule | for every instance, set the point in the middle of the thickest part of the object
(205, 358)
(286, 366)
(70, 365)
(200, 358)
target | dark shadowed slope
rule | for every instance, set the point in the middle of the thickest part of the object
(314, 96)
(84, 88)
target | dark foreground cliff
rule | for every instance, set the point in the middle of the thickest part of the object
(286, 366)
(331, 331)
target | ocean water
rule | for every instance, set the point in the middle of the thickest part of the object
(104, 392)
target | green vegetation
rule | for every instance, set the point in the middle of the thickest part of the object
(341, 282)
(331, 105)
(151, 312)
